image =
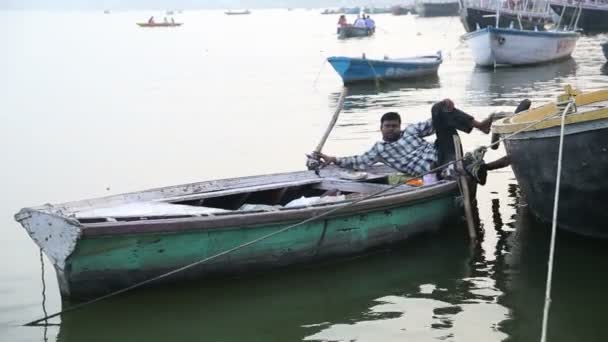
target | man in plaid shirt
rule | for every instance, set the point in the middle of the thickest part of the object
(407, 151)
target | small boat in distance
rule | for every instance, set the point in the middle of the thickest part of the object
(245, 12)
(350, 31)
(164, 23)
(332, 11)
(534, 155)
(101, 245)
(353, 70)
(159, 24)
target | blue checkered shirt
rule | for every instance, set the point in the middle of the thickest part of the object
(411, 154)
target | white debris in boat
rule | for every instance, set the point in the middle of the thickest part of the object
(148, 209)
(259, 207)
(352, 175)
(307, 201)
(427, 288)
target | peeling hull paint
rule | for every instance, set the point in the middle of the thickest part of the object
(90, 284)
(57, 236)
(137, 258)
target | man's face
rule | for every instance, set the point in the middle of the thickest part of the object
(391, 130)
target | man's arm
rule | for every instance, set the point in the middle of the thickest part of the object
(458, 119)
(421, 129)
(484, 125)
(359, 162)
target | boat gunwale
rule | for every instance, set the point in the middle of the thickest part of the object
(512, 124)
(518, 32)
(241, 219)
(525, 14)
(584, 5)
(433, 60)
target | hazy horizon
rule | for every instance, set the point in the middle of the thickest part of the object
(186, 4)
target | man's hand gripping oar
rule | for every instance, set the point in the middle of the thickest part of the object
(314, 159)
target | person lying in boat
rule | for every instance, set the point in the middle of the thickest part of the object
(408, 152)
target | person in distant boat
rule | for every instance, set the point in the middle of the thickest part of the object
(359, 22)
(342, 23)
(408, 152)
(165, 20)
(172, 21)
(370, 24)
(151, 20)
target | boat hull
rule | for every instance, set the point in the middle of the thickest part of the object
(94, 256)
(583, 199)
(592, 20)
(491, 46)
(353, 70)
(353, 32)
(126, 260)
(474, 18)
(437, 9)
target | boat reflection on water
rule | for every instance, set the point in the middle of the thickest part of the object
(309, 299)
(578, 286)
(508, 86)
(386, 94)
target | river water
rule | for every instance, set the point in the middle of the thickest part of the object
(94, 105)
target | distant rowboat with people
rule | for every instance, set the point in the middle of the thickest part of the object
(164, 23)
(159, 24)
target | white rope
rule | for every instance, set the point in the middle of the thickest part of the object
(543, 337)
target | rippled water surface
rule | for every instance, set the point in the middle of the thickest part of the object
(93, 105)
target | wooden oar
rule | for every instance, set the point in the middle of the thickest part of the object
(313, 161)
(466, 192)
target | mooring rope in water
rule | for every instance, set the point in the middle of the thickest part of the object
(314, 83)
(327, 213)
(547, 305)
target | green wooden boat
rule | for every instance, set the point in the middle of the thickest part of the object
(105, 244)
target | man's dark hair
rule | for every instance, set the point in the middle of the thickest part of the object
(390, 116)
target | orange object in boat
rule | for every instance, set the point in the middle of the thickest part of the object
(415, 182)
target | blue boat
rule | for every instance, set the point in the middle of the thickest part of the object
(605, 49)
(362, 69)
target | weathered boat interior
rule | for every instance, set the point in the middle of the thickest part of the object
(289, 191)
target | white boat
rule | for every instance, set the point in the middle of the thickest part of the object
(507, 46)
(495, 46)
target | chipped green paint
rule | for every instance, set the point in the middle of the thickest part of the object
(100, 264)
